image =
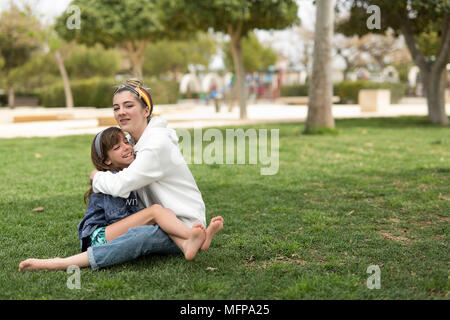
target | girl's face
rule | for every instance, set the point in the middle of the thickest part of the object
(121, 155)
(129, 113)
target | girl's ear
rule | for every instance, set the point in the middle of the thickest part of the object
(147, 111)
(107, 162)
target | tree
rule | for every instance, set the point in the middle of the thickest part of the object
(55, 45)
(375, 51)
(255, 56)
(425, 26)
(349, 49)
(321, 86)
(236, 18)
(86, 62)
(129, 24)
(173, 57)
(19, 39)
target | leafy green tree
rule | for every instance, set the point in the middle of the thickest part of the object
(255, 56)
(38, 71)
(236, 18)
(128, 24)
(425, 25)
(87, 62)
(20, 34)
(173, 57)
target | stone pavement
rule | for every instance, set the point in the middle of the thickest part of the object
(188, 115)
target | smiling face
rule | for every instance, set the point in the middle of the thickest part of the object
(130, 114)
(121, 155)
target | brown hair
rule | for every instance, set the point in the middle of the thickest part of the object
(109, 138)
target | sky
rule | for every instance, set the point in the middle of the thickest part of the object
(285, 42)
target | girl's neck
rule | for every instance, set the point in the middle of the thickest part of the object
(137, 134)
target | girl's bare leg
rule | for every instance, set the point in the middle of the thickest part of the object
(140, 218)
(156, 214)
(81, 260)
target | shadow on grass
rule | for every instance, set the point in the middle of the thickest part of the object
(391, 123)
(298, 128)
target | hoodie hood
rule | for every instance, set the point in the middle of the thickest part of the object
(157, 125)
(158, 122)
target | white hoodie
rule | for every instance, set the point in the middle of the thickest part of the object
(159, 174)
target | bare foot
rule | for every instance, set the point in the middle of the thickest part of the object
(215, 226)
(39, 264)
(195, 241)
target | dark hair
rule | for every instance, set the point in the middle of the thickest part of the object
(136, 87)
(109, 138)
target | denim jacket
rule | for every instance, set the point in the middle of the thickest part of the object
(103, 210)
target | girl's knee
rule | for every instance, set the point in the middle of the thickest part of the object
(154, 210)
(149, 214)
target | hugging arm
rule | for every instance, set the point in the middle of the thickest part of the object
(141, 172)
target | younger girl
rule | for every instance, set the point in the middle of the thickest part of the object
(109, 217)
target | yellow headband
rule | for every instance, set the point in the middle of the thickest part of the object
(144, 96)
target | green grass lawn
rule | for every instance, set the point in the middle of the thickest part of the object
(377, 193)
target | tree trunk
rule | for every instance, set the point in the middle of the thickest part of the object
(238, 62)
(136, 52)
(432, 72)
(11, 97)
(321, 85)
(65, 78)
(435, 92)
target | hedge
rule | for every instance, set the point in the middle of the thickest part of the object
(17, 94)
(97, 92)
(300, 90)
(348, 91)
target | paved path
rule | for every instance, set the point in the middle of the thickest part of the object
(84, 120)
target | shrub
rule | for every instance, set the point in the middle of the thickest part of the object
(294, 90)
(348, 91)
(97, 92)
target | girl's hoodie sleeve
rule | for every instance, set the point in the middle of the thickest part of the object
(141, 172)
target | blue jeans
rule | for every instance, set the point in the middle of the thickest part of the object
(136, 242)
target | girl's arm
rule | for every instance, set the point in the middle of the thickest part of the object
(141, 172)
